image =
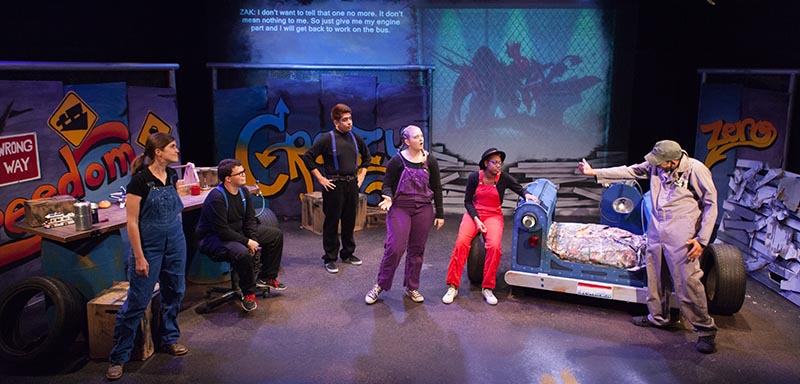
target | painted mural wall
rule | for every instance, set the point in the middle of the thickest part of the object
(78, 140)
(533, 81)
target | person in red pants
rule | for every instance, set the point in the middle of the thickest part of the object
(483, 199)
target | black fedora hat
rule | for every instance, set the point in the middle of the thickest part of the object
(490, 152)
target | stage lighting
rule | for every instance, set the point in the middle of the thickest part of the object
(528, 221)
(623, 205)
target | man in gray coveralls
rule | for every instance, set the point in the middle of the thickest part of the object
(683, 214)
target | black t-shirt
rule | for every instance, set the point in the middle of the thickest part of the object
(231, 221)
(143, 180)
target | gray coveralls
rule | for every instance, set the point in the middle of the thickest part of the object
(684, 208)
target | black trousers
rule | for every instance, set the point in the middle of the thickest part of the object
(339, 205)
(271, 241)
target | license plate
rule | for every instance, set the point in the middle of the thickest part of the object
(595, 290)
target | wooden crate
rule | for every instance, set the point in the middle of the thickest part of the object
(102, 314)
(375, 217)
(313, 217)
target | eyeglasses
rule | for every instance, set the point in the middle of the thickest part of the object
(495, 162)
(238, 173)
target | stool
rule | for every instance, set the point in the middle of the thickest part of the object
(227, 294)
(203, 270)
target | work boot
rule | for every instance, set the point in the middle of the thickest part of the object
(706, 344)
(114, 372)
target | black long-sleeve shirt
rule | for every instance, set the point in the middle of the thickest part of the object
(234, 223)
(505, 181)
(346, 153)
(394, 169)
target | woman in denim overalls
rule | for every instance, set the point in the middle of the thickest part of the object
(159, 251)
(410, 215)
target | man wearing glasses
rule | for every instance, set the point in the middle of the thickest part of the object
(228, 231)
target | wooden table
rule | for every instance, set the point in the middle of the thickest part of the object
(111, 219)
(92, 260)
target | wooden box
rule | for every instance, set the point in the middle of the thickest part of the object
(313, 217)
(36, 210)
(101, 313)
(375, 217)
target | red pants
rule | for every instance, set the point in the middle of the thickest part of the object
(494, 242)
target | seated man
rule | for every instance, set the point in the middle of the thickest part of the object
(228, 231)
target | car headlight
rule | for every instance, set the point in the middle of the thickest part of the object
(528, 221)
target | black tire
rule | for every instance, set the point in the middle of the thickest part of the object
(62, 321)
(476, 260)
(201, 309)
(724, 278)
(77, 317)
(267, 218)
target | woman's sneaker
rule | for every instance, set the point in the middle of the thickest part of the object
(372, 295)
(489, 296)
(415, 295)
(451, 294)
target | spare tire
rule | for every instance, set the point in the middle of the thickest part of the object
(724, 278)
(267, 218)
(476, 260)
(31, 328)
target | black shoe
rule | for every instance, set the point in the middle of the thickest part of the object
(272, 284)
(330, 266)
(249, 303)
(643, 321)
(706, 344)
(352, 260)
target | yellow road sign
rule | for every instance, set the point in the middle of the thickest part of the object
(152, 124)
(73, 119)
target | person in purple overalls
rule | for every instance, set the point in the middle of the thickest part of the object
(155, 231)
(410, 183)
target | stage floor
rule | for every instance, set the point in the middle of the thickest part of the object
(320, 331)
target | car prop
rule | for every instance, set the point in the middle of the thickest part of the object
(601, 260)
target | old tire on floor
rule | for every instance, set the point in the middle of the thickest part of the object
(39, 316)
(724, 278)
(267, 218)
(475, 260)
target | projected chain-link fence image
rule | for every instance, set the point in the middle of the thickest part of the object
(535, 80)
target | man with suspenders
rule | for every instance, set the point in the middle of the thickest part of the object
(340, 150)
(228, 231)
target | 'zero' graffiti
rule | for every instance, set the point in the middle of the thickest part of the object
(746, 132)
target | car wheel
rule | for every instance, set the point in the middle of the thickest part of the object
(724, 278)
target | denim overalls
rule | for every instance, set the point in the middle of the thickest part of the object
(164, 247)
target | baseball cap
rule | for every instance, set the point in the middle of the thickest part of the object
(664, 150)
